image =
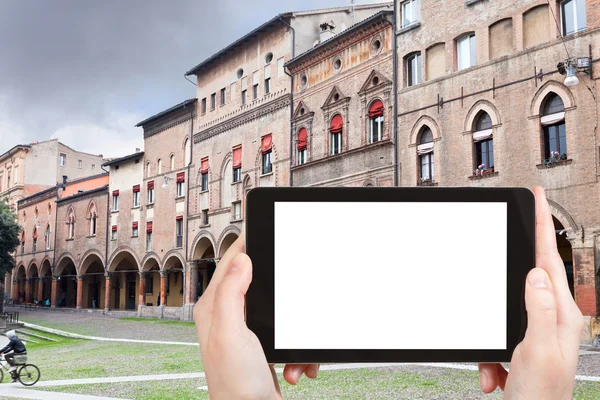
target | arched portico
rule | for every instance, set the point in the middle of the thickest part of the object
(171, 281)
(45, 282)
(201, 267)
(122, 281)
(149, 289)
(65, 274)
(19, 284)
(91, 276)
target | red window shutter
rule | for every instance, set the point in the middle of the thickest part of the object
(134, 225)
(237, 157)
(115, 192)
(114, 228)
(204, 165)
(302, 139)
(337, 124)
(267, 144)
(179, 218)
(181, 177)
(136, 188)
(150, 185)
(376, 109)
(149, 227)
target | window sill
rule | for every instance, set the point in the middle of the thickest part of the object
(237, 220)
(427, 184)
(410, 27)
(113, 240)
(114, 211)
(478, 177)
(135, 207)
(179, 197)
(91, 236)
(471, 2)
(70, 239)
(267, 174)
(236, 183)
(204, 225)
(560, 163)
(150, 205)
(203, 191)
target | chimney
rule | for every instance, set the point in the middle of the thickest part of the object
(137, 150)
(64, 179)
(327, 31)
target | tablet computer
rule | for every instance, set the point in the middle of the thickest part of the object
(389, 274)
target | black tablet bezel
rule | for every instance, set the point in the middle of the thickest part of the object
(260, 241)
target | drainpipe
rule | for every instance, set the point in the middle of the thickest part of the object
(291, 99)
(395, 87)
(187, 200)
(107, 221)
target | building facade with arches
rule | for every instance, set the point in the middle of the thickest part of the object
(491, 109)
(343, 119)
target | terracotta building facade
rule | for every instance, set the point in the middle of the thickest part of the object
(482, 103)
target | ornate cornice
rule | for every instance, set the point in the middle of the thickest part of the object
(163, 124)
(247, 117)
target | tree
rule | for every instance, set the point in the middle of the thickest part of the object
(9, 241)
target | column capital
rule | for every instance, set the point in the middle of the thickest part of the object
(40, 278)
(143, 274)
(163, 274)
(55, 278)
(79, 277)
(108, 275)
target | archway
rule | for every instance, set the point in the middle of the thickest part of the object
(19, 288)
(93, 282)
(32, 294)
(172, 282)
(204, 258)
(124, 279)
(45, 285)
(66, 284)
(150, 295)
(566, 252)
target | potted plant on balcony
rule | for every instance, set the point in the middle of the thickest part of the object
(427, 182)
(555, 158)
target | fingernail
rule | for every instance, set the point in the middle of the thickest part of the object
(538, 279)
(236, 264)
(313, 370)
(483, 380)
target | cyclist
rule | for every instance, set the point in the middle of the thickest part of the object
(14, 347)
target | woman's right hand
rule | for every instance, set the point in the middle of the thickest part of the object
(544, 364)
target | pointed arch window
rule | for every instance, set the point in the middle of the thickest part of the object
(425, 154)
(555, 129)
(47, 237)
(484, 143)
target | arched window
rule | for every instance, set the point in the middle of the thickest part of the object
(159, 166)
(375, 122)
(148, 172)
(92, 216)
(484, 143)
(302, 146)
(172, 162)
(47, 237)
(335, 134)
(34, 238)
(71, 224)
(23, 242)
(555, 131)
(425, 153)
(188, 152)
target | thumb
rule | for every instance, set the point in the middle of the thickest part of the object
(541, 309)
(229, 302)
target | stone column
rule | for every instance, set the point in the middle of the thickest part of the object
(191, 294)
(142, 295)
(107, 292)
(28, 290)
(585, 280)
(79, 291)
(40, 291)
(163, 288)
(54, 292)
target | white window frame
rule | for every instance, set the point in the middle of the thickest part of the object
(115, 203)
(180, 191)
(302, 155)
(16, 175)
(469, 40)
(150, 196)
(236, 210)
(237, 175)
(148, 241)
(269, 158)
(79, 164)
(380, 121)
(135, 232)
(136, 199)
(413, 9)
(113, 235)
(576, 11)
(414, 70)
(63, 159)
(333, 149)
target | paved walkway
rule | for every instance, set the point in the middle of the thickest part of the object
(16, 390)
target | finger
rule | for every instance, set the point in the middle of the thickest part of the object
(488, 377)
(312, 370)
(547, 256)
(293, 372)
(236, 248)
(229, 300)
(541, 311)
(502, 376)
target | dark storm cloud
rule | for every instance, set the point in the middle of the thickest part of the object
(70, 64)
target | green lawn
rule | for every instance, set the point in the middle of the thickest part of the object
(158, 321)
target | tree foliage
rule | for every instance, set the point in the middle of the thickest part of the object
(9, 236)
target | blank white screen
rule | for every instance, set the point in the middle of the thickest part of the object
(353, 275)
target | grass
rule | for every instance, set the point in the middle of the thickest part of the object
(158, 321)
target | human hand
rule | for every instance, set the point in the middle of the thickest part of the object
(234, 362)
(543, 365)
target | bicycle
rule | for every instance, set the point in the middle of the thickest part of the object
(27, 374)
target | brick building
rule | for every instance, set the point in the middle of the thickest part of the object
(52, 236)
(481, 103)
(342, 126)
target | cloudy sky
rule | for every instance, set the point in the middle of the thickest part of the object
(86, 72)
